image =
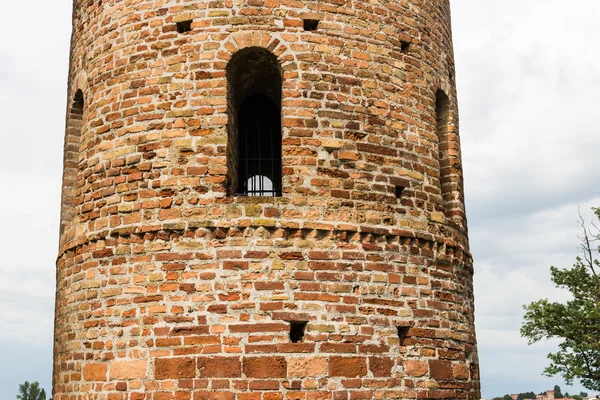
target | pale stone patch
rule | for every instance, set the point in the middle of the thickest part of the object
(126, 370)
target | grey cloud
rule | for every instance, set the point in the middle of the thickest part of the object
(31, 361)
(33, 71)
(527, 82)
(7, 67)
(533, 146)
(32, 129)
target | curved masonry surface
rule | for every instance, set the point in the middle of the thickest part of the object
(169, 287)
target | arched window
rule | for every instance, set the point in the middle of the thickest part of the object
(254, 129)
(442, 116)
(449, 157)
(71, 158)
(77, 109)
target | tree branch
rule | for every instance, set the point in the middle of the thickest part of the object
(586, 248)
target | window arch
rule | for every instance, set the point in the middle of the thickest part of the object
(71, 157)
(254, 156)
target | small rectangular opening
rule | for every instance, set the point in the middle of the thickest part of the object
(402, 334)
(311, 24)
(399, 191)
(184, 26)
(404, 46)
(297, 330)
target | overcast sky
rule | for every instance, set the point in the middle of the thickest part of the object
(528, 81)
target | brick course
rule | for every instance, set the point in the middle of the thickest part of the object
(170, 287)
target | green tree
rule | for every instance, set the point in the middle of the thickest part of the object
(506, 397)
(576, 323)
(526, 395)
(31, 391)
(557, 392)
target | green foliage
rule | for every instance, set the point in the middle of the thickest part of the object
(31, 391)
(506, 397)
(557, 392)
(577, 397)
(526, 395)
(577, 322)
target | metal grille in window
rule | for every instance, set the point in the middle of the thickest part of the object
(259, 141)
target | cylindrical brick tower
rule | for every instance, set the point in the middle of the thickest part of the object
(262, 199)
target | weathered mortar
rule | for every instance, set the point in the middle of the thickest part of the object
(170, 287)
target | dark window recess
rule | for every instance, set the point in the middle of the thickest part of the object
(442, 116)
(399, 191)
(184, 26)
(404, 46)
(78, 103)
(254, 162)
(402, 334)
(259, 169)
(297, 330)
(311, 24)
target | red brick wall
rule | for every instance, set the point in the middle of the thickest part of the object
(168, 288)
